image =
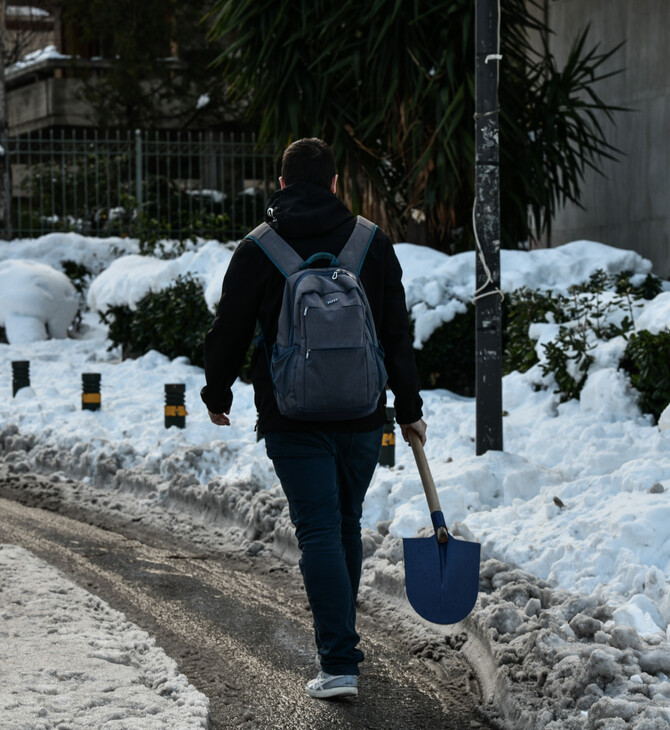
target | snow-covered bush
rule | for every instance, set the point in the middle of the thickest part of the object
(447, 358)
(173, 321)
(561, 332)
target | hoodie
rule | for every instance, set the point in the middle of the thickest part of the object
(311, 219)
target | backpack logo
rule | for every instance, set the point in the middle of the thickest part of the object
(327, 364)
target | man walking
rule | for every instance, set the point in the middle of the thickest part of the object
(324, 467)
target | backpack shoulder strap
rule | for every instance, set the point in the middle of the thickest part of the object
(276, 249)
(356, 248)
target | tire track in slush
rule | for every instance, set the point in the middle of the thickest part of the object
(240, 630)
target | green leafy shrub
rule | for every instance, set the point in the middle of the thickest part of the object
(589, 309)
(522, 308)
(173, 321)
(647, 361)
(80, 277)
(568, 359)
(447, 358)
(78, 274)
(650, 288)
(596, 310)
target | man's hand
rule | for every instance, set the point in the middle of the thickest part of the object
(418, 427)
(220, 419)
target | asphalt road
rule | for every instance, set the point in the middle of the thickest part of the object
(239, 626)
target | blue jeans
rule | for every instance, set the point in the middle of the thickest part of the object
(325, 476)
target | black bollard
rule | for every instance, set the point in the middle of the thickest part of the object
(387, 451)
(90, 397)
(20, 375)
(175, 412)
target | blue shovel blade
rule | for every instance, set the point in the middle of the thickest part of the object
(441, 579)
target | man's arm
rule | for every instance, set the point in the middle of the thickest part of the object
(227, 342)
(399, 359)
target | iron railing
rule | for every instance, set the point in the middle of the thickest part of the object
(142, 184)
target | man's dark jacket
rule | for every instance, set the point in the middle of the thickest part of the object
(311, 219)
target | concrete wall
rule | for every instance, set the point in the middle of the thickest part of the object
(630, 206)
(47, 103)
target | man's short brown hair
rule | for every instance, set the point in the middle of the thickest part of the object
(308, 160)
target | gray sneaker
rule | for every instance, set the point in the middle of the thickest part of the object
(332, 685)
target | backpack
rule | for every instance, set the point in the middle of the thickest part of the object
(326, 364)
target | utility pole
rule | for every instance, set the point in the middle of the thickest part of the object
(5, 179)
(488, 298)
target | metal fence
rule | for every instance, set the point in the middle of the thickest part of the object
(141, 184)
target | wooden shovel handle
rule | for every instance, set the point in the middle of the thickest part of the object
(427, 481)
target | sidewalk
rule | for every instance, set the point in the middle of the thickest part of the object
(69, 660)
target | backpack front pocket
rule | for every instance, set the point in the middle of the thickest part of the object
(334, 327)
(336, 380)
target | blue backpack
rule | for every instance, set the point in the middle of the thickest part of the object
(327, 364)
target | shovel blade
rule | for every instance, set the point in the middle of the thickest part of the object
(441, 579)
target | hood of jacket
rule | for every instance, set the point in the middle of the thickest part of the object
(304, 209)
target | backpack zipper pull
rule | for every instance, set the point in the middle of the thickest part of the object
(307, 355)
(335, 274)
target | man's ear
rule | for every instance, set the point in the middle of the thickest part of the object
(333, 184)
(282, 182)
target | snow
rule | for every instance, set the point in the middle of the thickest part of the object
(576, 507)
(35, 301)
(438, 286)
(81, 662)
(20, 10)
(131, 277)
(96, 254)
(216, 196)
(664, 420)
(35, 57)
(656, 315)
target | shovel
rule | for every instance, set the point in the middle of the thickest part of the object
(441, 572)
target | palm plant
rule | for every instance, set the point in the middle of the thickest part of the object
(390, 85)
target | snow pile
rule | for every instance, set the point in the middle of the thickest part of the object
(656, 315)
(81, 664)
(36, 301)
(130, 278)
(438, 286)
(96, 254)
(593, 672)
(664, 420)
(572, 516)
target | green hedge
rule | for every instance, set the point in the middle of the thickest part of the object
(173, 321)
(447, 359)
(647, 361)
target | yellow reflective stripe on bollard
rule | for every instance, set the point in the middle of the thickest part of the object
(90, 398)
(175, 411)
(388, 439)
